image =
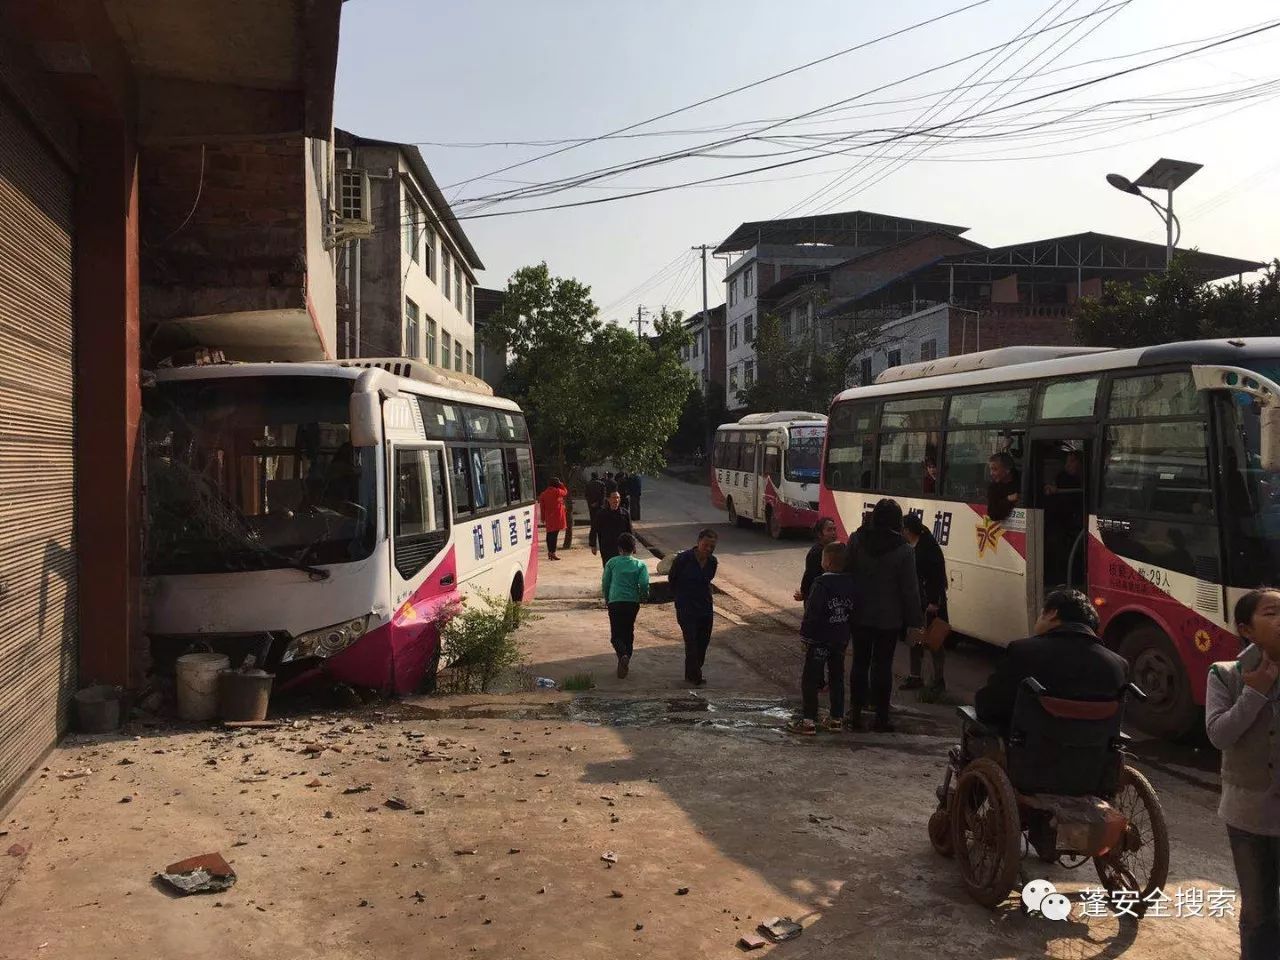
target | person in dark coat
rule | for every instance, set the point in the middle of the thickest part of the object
(610, 523)
(931, 570)
(825, 634)
(595, 495)
(884, 573)
(1005, 487)
(690, 577)
(1065, 656)
(634, 489)
(824, 532)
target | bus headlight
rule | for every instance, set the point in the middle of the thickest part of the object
(327, 642)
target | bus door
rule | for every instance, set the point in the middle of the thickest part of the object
(419, 518)
(1059, 460)
(772, 472)
(753, 461)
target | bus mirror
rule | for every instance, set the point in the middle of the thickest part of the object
(366, 419)
(1270, 440)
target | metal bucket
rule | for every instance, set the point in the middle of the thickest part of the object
(244, 694)
(98, 708)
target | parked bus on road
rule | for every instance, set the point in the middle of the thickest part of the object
(1148, 477)
(324, 516)
(766, 468)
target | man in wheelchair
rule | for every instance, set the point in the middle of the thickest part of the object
(1065, 656)
(1041, 757)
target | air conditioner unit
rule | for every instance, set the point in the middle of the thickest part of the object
(354, 216)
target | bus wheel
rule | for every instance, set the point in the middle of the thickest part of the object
(1154, 665)
(517, 588)
(733, 512)
(776, 530)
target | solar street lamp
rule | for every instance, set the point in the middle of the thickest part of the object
(1165, 175)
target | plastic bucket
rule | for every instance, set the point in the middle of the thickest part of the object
(244, 694)
(197, 679)
(98, 708)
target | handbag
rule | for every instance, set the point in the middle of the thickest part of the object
(936, 633)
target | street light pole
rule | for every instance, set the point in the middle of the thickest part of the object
(1165, 175)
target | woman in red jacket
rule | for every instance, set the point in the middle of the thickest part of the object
(551, 500)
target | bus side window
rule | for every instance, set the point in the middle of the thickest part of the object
(460, 471)
(495, 480)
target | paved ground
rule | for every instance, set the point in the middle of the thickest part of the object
(698, 790)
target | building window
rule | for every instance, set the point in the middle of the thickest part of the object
(471, 362)
(748, 372)
(413, 229)
(864, 373)
(446, 348)
(410, 328)
(733, 291)
(471, 303)
(457, 355)
(785, 325)
(895, 358)
(446, 271)
(351, 195)
(733, 335)
(749, 330)
(457, 285)
(429, 241)
(929, 350)
(697, 343)
(430, 352)
(746, 282)
(733, 377)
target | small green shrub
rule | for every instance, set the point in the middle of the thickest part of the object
(578, 681)
(481, 642)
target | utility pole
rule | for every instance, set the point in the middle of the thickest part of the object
(640, 312)
(705, 346)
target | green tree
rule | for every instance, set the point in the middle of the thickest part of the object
(592, 391)
(1178, 305)
(802, 376)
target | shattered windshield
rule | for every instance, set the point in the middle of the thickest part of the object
(253, 473)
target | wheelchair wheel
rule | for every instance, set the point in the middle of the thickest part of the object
(986, 833)
(940, 832)
(1141, 863)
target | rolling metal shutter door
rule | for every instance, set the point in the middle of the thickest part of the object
(38, 620)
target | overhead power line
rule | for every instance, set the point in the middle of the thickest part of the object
(728, 93)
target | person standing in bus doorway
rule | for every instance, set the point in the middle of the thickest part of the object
(931, 571)
(611, 523)
(691, 574)
(554, 516)
(1005, 487)
(884, 572)
(625, 587)
(1242, 720)
(824, 532)
(595, 496)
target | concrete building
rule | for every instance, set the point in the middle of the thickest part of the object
(772, 250)
(409, 288)
(118, 118)
(491, 359)
(704, 356)
(982, 299)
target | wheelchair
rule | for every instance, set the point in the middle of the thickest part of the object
(1058, 779)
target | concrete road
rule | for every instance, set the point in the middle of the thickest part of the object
(674, 511)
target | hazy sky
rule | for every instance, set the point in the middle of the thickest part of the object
(494, 70)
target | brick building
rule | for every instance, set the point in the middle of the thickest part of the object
(130, 145)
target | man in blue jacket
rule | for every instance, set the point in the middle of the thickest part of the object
(691, 574)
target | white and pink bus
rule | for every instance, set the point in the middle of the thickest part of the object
(1149, 478)
(325, 517)
(765, 468)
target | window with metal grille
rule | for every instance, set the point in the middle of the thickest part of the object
(410, 328)
(351, 204)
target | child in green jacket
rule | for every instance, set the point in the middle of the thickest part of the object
(625, 586)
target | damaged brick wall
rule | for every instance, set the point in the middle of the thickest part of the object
(243, 247)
